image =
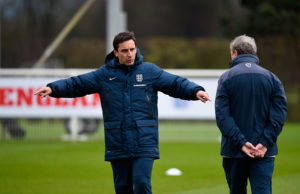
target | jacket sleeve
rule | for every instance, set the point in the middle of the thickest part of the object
(174, 85)
(76, 86)
(277, 115)
(224, 119)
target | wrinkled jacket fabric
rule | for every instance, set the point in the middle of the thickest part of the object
(129, 102)
(250, 106)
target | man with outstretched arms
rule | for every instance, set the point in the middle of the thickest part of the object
(128, 90)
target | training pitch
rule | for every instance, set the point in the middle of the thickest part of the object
(53, 166)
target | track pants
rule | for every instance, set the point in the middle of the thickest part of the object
(132, 175)
(259, 172)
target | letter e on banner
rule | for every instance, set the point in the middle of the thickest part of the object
(4, 96)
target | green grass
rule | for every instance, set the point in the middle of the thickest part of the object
(52, 166)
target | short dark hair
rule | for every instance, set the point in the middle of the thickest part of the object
(122, 37)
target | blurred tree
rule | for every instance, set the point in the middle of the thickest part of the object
(206, 53)
(232, 18)
(29, 26)
(277, 24)
(189, 18)
(276, 17)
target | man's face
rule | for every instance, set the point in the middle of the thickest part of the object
(126, 52)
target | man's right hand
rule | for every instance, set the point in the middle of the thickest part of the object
(250, 150)
(43, 92)
(203, 96)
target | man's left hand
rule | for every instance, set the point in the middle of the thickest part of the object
(261, 150)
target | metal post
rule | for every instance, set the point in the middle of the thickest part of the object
(116, 21)
(74, 128)
(61, 36)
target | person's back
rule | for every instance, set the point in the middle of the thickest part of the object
(250, 112)
(250, 88)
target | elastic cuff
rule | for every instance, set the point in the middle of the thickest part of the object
(242, 143)
(264, 142)
(53, 92)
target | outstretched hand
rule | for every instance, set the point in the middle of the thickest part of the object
(203, 96)
(43, 92)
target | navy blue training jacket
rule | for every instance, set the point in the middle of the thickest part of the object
(129, 102)
(250, 106)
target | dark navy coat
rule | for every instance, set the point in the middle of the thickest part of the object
(129, 102)
(250, 106)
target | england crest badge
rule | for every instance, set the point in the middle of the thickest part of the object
(139, 77)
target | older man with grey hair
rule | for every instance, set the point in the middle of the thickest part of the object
(250, 110)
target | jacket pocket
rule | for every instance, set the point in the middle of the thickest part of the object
(147, 132)
(113, 136)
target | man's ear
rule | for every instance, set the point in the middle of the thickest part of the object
(116, 53)
(234, 54)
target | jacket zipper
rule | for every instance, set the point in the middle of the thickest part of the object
(106, 105)
(149, 104)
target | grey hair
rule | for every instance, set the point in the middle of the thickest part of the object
(243, 45)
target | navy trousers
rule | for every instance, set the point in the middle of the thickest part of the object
(259, 172)
(132, 175)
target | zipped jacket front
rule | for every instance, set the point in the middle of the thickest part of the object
(129, 102)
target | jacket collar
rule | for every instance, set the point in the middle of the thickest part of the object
(112, 61)
(244, 58)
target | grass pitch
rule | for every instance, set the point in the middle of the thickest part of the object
(53, 166)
